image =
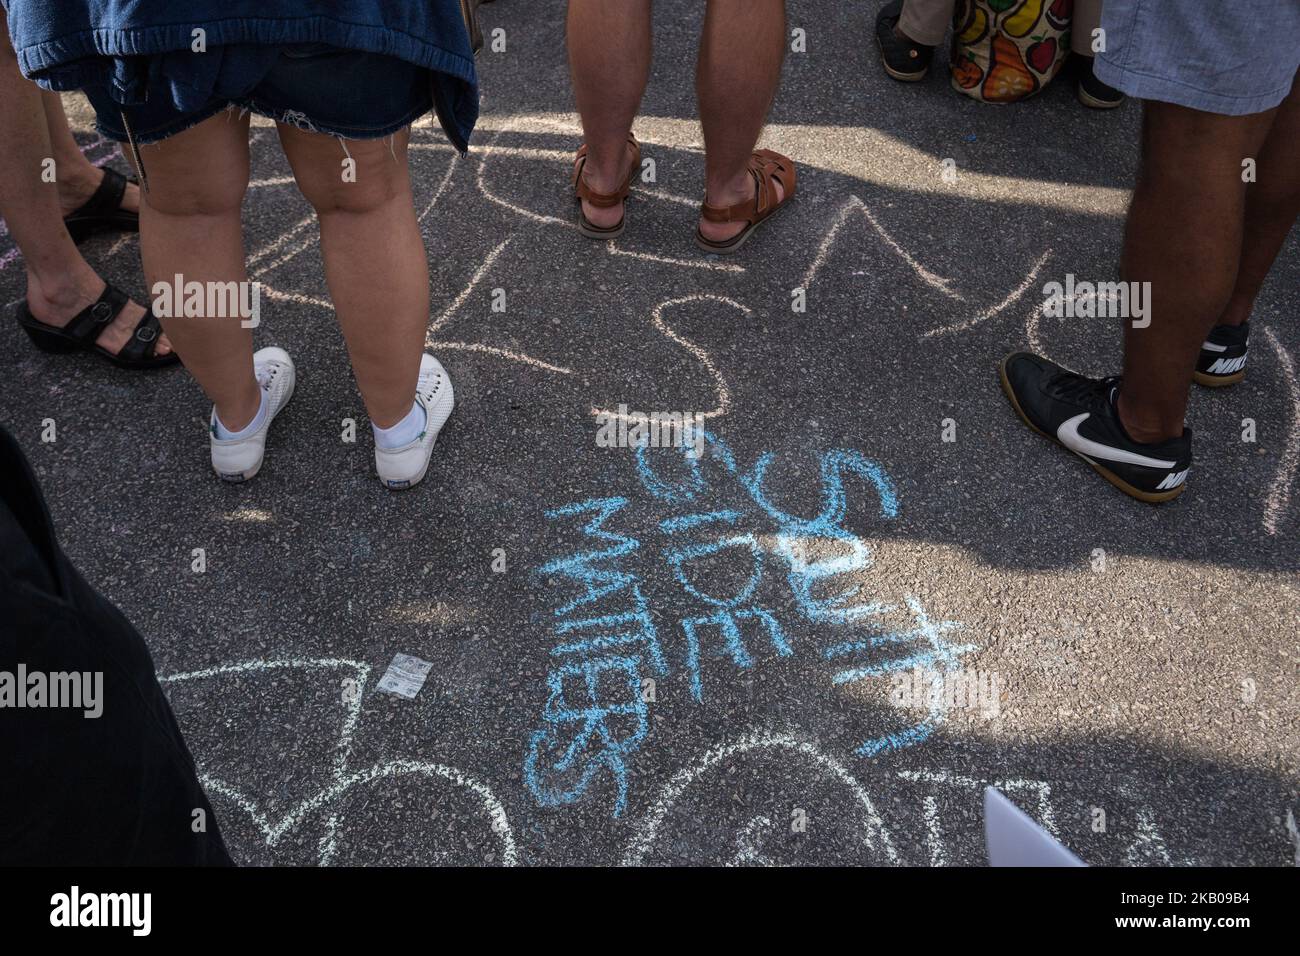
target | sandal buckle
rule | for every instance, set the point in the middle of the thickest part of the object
(101, 312)
(146, 333)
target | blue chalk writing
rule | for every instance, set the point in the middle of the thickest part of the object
(722, 532)
(940, 658)
(582, 723)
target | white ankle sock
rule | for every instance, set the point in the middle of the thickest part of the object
(225, 434)
(404, 432)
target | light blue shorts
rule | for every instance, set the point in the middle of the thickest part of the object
(1222, 56)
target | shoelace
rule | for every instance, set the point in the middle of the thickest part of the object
(1082, 390)
(266, 376)
(429, 387)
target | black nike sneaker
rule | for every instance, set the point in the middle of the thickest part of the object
(1223, 356)
(1079, 413)
(903, 59)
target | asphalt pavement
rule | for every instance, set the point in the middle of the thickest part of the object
(647, 657)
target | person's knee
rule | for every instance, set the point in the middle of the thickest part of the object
(176, 193)
(356, 184)
(1179, 143)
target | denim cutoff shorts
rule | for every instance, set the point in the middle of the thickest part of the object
(313, 86)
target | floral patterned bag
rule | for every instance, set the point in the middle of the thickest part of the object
(1006, 50)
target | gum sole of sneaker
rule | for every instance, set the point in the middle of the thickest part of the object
(1217, 381)
(1151, 498)
(904, 77)
(898, 75)
(1090, 101)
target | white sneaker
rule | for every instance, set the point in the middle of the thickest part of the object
(404, 466)
(238, 459)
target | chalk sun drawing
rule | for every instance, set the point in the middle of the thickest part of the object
(711, 516)
(890, 834)
(875, 836)
(343, 777)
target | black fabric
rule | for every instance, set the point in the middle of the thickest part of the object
(144, 340)
(107, 199)
(120, 789)
(88, 324)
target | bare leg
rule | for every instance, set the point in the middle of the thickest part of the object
(375, 263)
(1184, 236)
(609, 59)
(60, 283)
(78, 176)
(1272, 205)
(190, 226)
(737, 76)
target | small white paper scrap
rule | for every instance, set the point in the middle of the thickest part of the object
(405, 676)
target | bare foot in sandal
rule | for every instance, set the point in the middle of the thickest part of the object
(603, 191)
(56, 305)
(76, 186)
(738, 207)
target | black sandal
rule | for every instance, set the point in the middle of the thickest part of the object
(103, 211)
(80, 335)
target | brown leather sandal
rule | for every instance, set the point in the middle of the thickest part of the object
(768, 168)
(582, 191)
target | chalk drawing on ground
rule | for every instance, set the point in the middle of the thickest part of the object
(874, 836)
(855, 207)
(748, 845)
(433, 342)
(908, 831)
(661, 326)
(343, 778)
(697, 546)
(1278, 501)
(1012, 297)
(1294, 833)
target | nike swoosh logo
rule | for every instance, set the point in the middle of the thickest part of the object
(1068, 435)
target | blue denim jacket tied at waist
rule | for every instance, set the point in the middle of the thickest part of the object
(143, 48)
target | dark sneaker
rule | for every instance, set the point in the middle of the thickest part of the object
(1079, 413)
(1093, 93)
(903, 59)
(1223, 356)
